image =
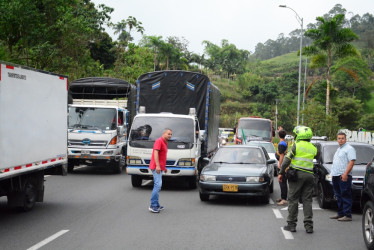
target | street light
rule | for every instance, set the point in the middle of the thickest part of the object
(300, 20)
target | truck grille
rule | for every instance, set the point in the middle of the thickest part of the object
(89, 143)
(168, 163)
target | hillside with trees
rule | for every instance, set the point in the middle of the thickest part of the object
(68, 37)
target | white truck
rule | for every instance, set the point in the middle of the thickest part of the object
(186, 102)
(99, 119)
(33, 124)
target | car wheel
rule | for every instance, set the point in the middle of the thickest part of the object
(204, 197)
(136, 180)
(321, 197)
(276, 171)
(367, 224)
(271, 189)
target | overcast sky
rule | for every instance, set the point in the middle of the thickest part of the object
(242, 22)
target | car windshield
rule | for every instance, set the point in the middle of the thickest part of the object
(364, 153)
(92, 118)
(268, 146)
(245, 155)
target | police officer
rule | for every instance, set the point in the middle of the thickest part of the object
(300, 178)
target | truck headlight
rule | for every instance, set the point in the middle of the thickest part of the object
(186, 162)
(204, 177)
(134, 160)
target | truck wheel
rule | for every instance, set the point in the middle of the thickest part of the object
(204, 197)
(192, 182)
(70, 167)
(136, 180)
(30, 196)
(117, 166)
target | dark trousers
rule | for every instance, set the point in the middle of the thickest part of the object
(283, 187)
(343, 194)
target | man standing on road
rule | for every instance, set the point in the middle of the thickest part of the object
(158, 165)
(300, 178)
(342, 165)
(282, 149)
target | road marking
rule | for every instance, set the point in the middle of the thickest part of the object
(271, 202)
(49, 239)
(47, 175)
(287, 234)
(277, 213)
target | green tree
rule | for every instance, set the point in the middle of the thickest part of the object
(124, 28)
(330, 42)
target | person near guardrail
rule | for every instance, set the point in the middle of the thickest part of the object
(300, 176)
(342, 164)
(158, 166)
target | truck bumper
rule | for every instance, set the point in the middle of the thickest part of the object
(172, 171)
(94, 154)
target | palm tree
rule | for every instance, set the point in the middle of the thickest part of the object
(124, 35)
(331, 41)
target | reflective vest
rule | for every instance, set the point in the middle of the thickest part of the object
(303, 158)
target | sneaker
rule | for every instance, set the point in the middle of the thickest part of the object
(289, 228)
(282, 203)
(160, 208)
(153, 209)
(345, 218)
(335, 217)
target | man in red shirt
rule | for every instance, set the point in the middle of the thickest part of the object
(157, 166)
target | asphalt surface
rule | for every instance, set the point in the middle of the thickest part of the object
(95, 209)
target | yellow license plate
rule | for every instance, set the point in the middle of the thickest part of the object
(230, 188)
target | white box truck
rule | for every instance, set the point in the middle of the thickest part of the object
(33, 125)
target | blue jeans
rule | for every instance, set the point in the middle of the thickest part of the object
(343, 194)
(157, 184)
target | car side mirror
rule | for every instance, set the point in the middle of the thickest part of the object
(271, 161)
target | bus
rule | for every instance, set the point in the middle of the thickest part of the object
(253, 129)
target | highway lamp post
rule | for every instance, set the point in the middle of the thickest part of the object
(300, 20)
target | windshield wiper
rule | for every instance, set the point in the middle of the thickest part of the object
(185, 142)
(76, 126)
(220, 162)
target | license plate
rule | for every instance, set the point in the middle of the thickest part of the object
(85, 152)
(230, 188)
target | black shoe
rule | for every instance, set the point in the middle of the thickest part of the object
(289, 228)
(309, 230)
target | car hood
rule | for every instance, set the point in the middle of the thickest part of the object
(235, 169)
(358, 169)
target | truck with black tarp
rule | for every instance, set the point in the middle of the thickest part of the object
(33, 124)
(100, 116)
(186, 102)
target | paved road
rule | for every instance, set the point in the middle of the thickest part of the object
(95, 209)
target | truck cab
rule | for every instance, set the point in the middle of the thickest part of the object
(97, 134)
(184, 148)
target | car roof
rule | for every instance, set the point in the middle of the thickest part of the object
(242, 146)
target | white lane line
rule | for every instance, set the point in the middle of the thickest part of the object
(49, 239)
(277, 213)
(271, 202)
(287, 234)
(301, 208)
(47, 175)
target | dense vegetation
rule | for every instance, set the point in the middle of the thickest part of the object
(68, 37)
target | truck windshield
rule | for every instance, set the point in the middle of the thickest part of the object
(255, 129)
(92, 118)
(145, 130)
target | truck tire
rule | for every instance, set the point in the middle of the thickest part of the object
(23, 200)
(192, 182)
(136, 180)
(117, 166)
(70, 166)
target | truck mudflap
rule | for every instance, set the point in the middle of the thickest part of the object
(172, 171)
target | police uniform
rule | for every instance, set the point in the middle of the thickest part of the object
(300, 158)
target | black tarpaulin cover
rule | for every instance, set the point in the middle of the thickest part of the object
(177, 92)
